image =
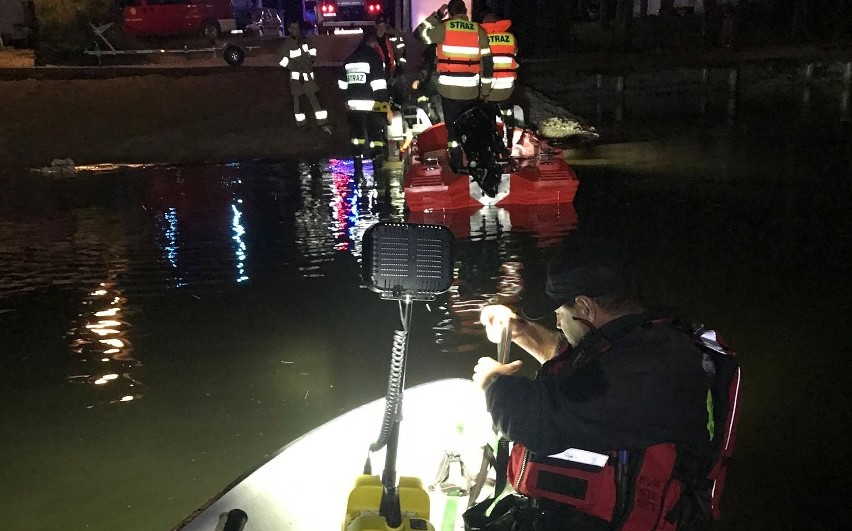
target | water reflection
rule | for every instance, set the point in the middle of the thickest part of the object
(352, 198)
(102, 348)
(199, 216)
(491, 242)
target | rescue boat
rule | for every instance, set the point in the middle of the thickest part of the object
(535, 174)
(308, 485)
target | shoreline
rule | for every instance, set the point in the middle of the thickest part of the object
(201, 110)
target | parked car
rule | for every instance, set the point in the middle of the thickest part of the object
(264, 21)
(207, 18)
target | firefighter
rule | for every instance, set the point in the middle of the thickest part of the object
(363, 82)
(298, 55)
(392, 47)
(504, 48)
(464, 66)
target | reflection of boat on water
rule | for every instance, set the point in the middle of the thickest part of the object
(536, 174)
(548, 222)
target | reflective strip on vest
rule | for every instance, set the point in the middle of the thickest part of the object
(294, 75)
(503, 83)
(360, 105)
(379, 84)
(502, 60)
(459, 81)
(284, 62)
(342, 85)
(460, 51)
(321, 115)
(295, 53)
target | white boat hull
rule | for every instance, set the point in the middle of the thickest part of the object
(305, 485)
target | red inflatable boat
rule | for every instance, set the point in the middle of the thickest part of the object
(538, 175)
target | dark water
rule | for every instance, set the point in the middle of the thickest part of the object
(164, 329)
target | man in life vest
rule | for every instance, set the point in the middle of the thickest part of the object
(464, 66)
(392, 46)
(504, 48)
(363, 82)
(298, 55)
(611, 433)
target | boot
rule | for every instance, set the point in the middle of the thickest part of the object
(456, 158)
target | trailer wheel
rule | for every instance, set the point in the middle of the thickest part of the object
(234, 55)
(210, 30)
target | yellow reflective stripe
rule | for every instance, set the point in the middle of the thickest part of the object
(461, 50)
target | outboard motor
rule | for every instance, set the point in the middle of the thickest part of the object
(482, 147)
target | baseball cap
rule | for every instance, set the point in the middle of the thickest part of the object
(589, 267)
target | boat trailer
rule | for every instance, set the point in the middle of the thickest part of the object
(111, 50)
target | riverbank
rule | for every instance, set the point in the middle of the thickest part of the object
(151, 117)
(195, 110)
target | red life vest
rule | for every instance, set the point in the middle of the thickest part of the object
(652, 492)
(388, 57)
(647, 496)
(504, 48)
(459, 52)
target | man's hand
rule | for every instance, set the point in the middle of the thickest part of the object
(415, 84)
(487, 368)
(389, 116)
(496, 317)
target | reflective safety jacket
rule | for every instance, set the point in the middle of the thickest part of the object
(464, 63)
(363, 80)
(504, 48)
(298, 57)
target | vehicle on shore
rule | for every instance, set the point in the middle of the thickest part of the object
(163, 18)
(333, 16)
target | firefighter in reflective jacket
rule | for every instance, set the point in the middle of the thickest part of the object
(503, 51)
(464, 66)
(298, 55)
(363, 82)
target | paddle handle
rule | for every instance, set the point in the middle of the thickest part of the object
(236, 521)
(505, 344)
